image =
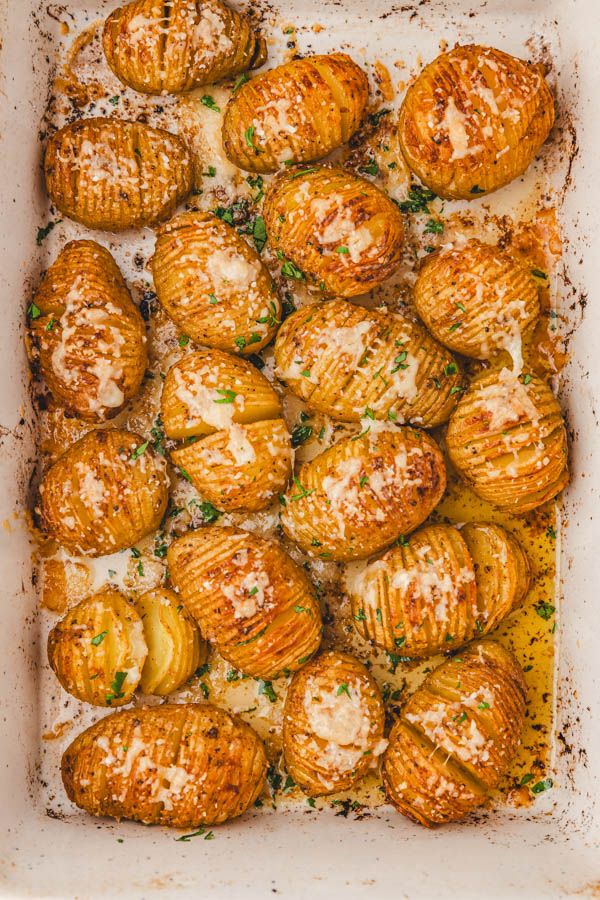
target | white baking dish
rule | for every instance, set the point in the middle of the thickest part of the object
(550, 849)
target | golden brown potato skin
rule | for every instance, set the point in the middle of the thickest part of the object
(477, 300)
(298, 112)
(261, 632)
(89, 337)
(177, 45)
(332, 724)
(456, 736)
(473, 120)
(112, 175)
(98, 649)
(360, 495)
(439, 589)
(507, 439)
(103, 494)
(214, 285)
(182, 765)
(359, 361)
(341, 231)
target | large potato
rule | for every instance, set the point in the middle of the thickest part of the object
(477, 300)
(349, 362)
(507, 439)
(363, 493)
(298, 112)
(175, 648)
(473, 120)
(183, 765)
(249, 598)
(97, 651)
(343, 232)
(214, 285)
(157, 47)
(113, 175)
(87, 333)
(332, 724)
(456, 736)
(106, 491)
(439, 589)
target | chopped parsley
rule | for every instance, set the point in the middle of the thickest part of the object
(542, 786)
(140, 450)
(209, 101)
(115, 687)
(227, 396)
(545, 610)
(97, 640)
(418, 199)
(43, 233)
(249, 137)
(301, 434)
(290, 270)
(266, 688)
(371, 169)
(243, 78)
(343, 689)
(434, 226)
(34, 312)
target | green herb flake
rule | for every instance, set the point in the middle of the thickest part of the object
(43, 233)
(527, 378)
(545, 610)
(227, 396)
(184, 340)
(343, 250)
(450, 369)
(97, 640)
(434, 226)
(243, 78)
(115, 687)
(209, 101)
(537, 273)
(289, 270)
(529, 776)
(371, 169)
(266, 688)
(542, 786)
(483, 705)
(301, 434)
(343, 689)
(34, 312)
(249, 137)
(360, 616)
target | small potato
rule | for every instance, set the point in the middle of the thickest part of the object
(507, 439)
(456, 736)
(157, 47)
(106, 491)
(214, 285)
(332, 724)
(98, 649)
(175, 648)
(343, 232)
(182, 765)
(249, 598)
(298, 112)
(438, 589)
(473, 120)
(359, 496)
(477, 300)
(113, 175)
(87, 333)
(349, 362)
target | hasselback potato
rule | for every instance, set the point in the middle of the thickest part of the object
(175, 648)
(507, 439)
(250, 599)
(332, 724)
(349, 362)
(214, 285)
(477, 300)
(343, 233)
(439, 589)
(174, 46)
(182, 765)
(456, 736)
(298, 112)
(473, 120)
(112, 174)
(363, 493)
(106, 491)
(237, 450)
(98, 649)
(87, 333)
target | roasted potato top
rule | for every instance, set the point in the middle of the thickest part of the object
(87, 333)
(214, 285)
(474, 119)
(174, 46)
(477, 300)
(332, 724)
(298, 112)
(438, 589)
(183, 765)
(249, 598)
(364, 492)
(507, 438)
(97, 651)
(343, 233)
(113, 175)
(456, 736)
(106, 491)
(349, 362)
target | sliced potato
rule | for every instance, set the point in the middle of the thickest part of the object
(249, 598)
(332, 724)
(183, 765)
(456, 736)
(98, 649)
